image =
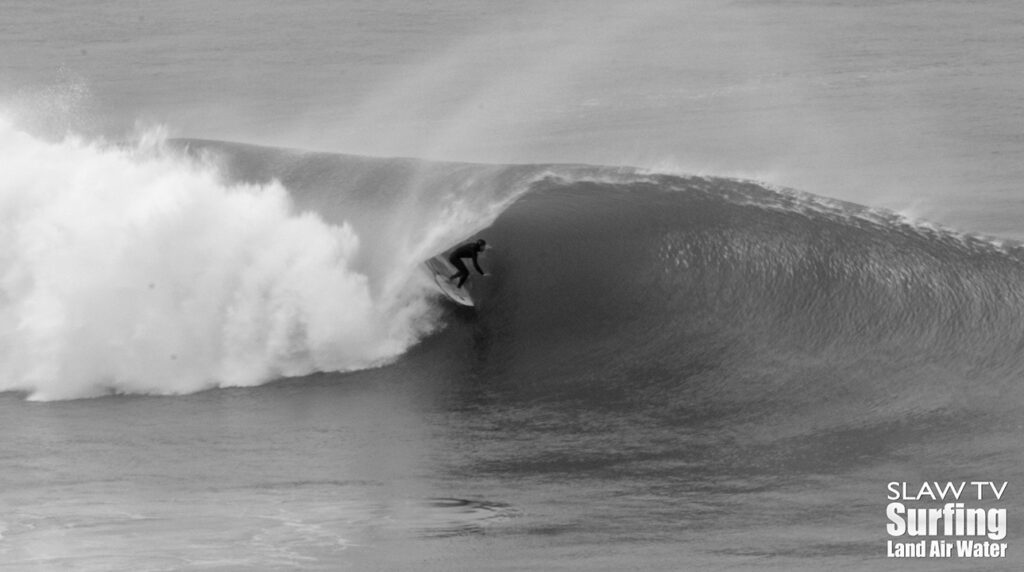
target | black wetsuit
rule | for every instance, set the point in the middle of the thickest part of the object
(468, 250)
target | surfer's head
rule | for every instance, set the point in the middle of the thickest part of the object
(481, 245)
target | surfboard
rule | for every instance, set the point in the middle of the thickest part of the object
(441, 269)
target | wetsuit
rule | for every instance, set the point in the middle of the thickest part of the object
(468, 250)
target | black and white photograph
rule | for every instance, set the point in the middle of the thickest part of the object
(480, 285)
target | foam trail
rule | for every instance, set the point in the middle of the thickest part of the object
(138, 270)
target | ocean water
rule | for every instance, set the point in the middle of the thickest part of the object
(754, 262)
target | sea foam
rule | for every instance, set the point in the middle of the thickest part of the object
(137, 269)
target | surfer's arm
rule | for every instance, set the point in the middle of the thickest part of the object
(477, 264)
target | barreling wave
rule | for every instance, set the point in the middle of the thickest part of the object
(173, 267)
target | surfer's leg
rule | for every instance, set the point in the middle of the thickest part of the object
(462, 273)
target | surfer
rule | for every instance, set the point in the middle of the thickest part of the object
(468, 250)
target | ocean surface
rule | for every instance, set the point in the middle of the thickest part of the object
(754, 265)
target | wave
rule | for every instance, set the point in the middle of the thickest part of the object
(169, 267)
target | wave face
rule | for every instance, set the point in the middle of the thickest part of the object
(145, 269)
(724, 300)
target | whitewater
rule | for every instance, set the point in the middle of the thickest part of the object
(137, 270)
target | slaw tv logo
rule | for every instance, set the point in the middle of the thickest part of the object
(946, 519)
